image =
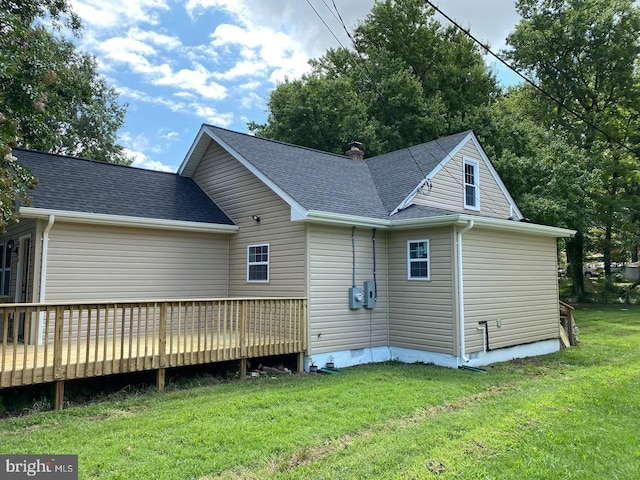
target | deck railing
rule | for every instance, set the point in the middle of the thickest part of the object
(568, 333)
(56, 342)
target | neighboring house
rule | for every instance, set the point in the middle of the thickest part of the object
(416, 255)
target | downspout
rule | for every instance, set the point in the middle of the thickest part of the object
(461, 291)
(43, 273)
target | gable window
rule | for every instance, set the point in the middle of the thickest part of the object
(258, 263)
(5, 269)
(471, 184)
(418, 262)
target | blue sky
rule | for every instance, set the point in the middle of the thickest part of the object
(180, 64)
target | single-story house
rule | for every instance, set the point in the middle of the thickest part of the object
(417, 255)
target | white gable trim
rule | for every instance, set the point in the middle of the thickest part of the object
(407, 201)
(189, 165)
(496, 177)
(196, 151)
(470, 136)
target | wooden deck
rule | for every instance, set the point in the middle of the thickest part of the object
(55, 342)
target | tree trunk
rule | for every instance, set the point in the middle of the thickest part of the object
(575, 248)
(606, 249)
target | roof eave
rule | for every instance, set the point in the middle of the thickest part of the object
(121, 220)
(330, 218)
(485, 222)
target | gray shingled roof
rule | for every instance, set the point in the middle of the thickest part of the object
(397, 173)
(316, 180)
(78, 185)
(335, 183)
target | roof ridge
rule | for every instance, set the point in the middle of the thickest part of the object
(277, 141)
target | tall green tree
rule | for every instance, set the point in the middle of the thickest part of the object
(51, 96)
(408, 79)
(585, 54)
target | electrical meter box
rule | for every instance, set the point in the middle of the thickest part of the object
(369, 294)
(356, 298)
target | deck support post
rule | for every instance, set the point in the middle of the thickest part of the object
(300, 362)
(58, 402)
(243, 368)
(161, 379)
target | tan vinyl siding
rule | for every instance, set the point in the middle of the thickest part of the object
(332, 325)
(447, 189)
(422, 312)
(509, 279)
(102, 263)
(241, 195)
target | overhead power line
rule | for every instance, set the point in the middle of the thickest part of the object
(362, 64)
(560, 103)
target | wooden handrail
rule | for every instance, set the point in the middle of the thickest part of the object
(64, 341)
(569, 324)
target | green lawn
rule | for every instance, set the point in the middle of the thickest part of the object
(574, 414)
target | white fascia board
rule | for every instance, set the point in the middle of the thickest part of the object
(439, 221)
(295, 206)
(522, 227)
(124, 221)
(484, 222)
(329, 218)
(405, 203)
(195, 153)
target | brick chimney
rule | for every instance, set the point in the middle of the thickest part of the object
(354, 152)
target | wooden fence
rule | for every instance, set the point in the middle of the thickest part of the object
(56, 342)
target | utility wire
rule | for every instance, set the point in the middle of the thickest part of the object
(364, 69)
(560, 103)
(367, 73)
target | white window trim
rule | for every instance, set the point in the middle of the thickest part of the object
(476, 167)
(410, 261)
(253, 245)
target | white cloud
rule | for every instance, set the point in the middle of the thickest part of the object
(250, 100)
(135, 146)
(168, 135)
(116, 13)
(249, 86)
(196, 80)
(242, 70)
(234, 7)
(204, 111)
(127, 50)
(169, 42)
(143, 161)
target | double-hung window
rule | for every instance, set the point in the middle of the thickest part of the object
(258, 263)
(418, 260)
(5, 270)
(471, 184)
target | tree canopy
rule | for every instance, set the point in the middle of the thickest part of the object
(408, 80)
(51, 97)
(586, 56)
